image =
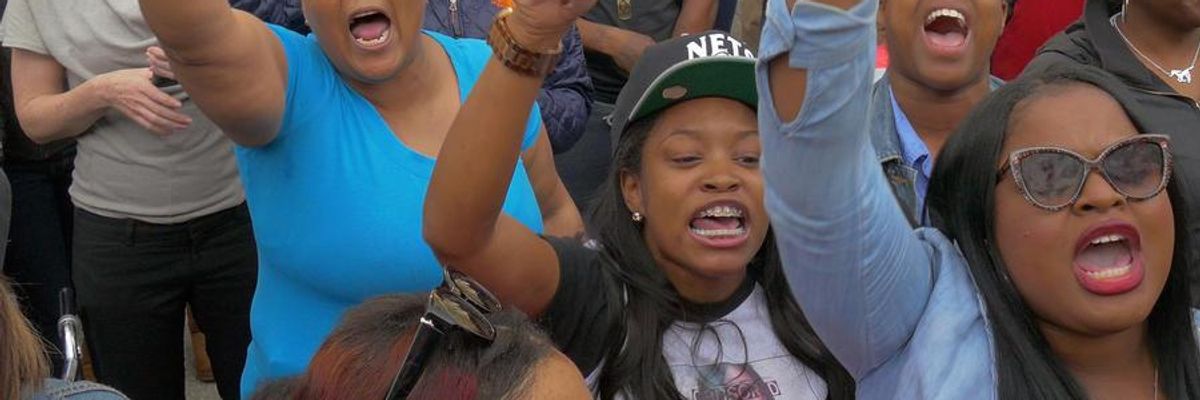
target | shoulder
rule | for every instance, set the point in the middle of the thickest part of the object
(55, 389)
(463, 52)
(1071, 45)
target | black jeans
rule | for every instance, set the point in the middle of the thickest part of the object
(39, 257)
(133, 280)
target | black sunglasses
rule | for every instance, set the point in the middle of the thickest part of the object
(1052, 178)
(459, 303)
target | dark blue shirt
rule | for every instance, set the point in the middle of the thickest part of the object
(566, 95)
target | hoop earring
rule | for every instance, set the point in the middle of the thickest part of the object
(637, 217)
(1124, 8)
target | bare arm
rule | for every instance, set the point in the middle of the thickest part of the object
(559, 214)
(625, 47)
(229, 62)
(48, 111)
(463, 220)
(695, 16)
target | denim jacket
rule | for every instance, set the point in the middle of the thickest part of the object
(886, 139)
(898, 307)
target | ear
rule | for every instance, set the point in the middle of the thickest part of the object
(880, 30)
(1006, 9)
(631, 191)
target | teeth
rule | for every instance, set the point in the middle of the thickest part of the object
(363, 14)
(713, 233)
(373, 42)
(1107, 239)
(1109, 273)
(945, 12)
(722, 212)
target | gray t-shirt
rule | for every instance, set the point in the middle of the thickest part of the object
(123, 170)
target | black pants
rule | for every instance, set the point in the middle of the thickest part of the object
(133, 280)
(39, 257)
(584, 167)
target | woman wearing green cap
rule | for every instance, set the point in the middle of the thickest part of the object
(682, 295)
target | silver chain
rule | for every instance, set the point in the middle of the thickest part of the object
(1181, 75)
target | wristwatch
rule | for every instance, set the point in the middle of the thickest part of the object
(517, 57)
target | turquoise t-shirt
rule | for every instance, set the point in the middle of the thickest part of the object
(337, 202)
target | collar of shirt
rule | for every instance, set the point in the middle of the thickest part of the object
(912, 148)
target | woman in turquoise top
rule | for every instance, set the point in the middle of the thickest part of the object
(1044, 280)
(337, 135)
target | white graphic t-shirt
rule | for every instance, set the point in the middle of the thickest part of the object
(729, 352)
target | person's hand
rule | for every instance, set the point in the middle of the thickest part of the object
(131, 92)
(541, 24)
(160, 65)
(630, 45)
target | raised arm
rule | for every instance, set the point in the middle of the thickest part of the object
(463, 220)
(229, 62)
(857, 269)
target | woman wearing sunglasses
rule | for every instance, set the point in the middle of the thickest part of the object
(1057, 269)
(685, 297)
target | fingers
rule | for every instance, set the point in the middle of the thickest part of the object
(156, 95)
(155, 117)
(159, 63)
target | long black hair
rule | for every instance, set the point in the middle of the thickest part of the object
(961, 203)
(634, 364)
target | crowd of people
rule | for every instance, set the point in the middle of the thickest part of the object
(615, 199)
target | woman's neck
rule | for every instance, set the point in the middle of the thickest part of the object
(1113, 366)
(1170, 46)
(415, 82)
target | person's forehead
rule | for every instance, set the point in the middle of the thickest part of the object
(1077, 116)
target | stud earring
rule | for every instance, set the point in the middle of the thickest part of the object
(637, 217)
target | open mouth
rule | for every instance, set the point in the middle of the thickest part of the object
(720, 225)
(370, 29)
(1108, 261)
(946, 29)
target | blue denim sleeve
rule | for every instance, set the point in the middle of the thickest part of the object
(855, 266)
(566, 96)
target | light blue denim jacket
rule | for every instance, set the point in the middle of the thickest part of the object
(896, 306)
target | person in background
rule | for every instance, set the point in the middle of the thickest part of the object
(161, 220)
(286, 13)
(25, 365)
(566, 96)
(1055, 268)
(615, 33)
(362, 356)
(1030, 25)
(1153, 47)
(38, 257)
(937, 70)
(337, 135)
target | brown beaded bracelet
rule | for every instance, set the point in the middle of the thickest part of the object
(516, 56)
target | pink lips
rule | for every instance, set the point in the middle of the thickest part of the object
(1113, 279)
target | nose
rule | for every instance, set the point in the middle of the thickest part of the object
(721, 180)
(1098, 195)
